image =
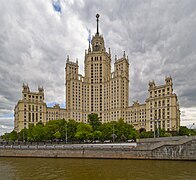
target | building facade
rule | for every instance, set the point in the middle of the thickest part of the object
(32, 109)
(99, 90)
(103, 92)
(161, 109)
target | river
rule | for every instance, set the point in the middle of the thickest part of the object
(89, 169)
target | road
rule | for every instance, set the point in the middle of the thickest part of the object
(72, 146)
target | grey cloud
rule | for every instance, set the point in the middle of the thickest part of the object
(6, 125)
(158, 35)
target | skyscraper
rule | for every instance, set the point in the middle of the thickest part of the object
(104, 92)
(99, 90)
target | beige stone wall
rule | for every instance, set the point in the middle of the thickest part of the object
(55, 112)
(32, 109)
(136, 115)
(162, 107)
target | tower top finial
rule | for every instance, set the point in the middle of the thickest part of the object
(97, 16)
(124, 55)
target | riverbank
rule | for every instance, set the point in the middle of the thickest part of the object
(174, 148)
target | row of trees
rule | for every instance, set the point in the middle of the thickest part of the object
(73, 131)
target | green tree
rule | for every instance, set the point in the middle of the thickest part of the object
(97, 135)
(13, 136)
(49, 131)
(183, 130)
(6, 137)
(54, 126)
(84, 131)
(30, 132)
(106, 130)
(133, 134)
(38, 133)
(162, 133)
(94, 121)
(57, 135)
(71, 129)
(145, 134)
(124, 130)
(23, 134)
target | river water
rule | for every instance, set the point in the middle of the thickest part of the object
(90, 169)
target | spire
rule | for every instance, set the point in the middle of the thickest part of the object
(124, 55)
(89, 47)
(67, 58)
(97, 16)
(89, 40)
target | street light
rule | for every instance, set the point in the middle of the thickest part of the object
(113, 135)
(66, 133)
(192, 125)
(154, 128)
(23, 136)
(157, 127)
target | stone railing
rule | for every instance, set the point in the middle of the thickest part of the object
(159, 142)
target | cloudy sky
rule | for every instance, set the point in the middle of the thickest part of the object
(159, 36)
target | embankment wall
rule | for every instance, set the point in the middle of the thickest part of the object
(184, 149)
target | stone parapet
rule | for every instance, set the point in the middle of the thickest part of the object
(184, 149)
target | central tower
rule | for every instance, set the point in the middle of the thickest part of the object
(97, 70)
(98, 91)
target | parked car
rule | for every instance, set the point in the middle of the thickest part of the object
(107, 141)
(96, 141)
(130, 140)
(87, 141)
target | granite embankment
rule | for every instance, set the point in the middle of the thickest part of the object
(173, 148)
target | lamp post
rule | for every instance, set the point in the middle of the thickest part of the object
(154, 128)
(158, 128)
(192, 125)
(66, 133)
(113, 135)
(23, 136)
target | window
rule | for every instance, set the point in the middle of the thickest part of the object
(36, 117)
(29, 117)
(32, 117)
